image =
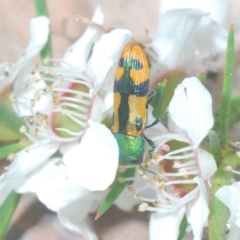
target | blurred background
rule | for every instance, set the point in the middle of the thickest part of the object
(32, 220)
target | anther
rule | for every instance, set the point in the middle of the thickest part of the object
(121, 168)
(121, 180)
(12, 98)
(51, 72)
(131, 188)
(227, 168)
(142, 207)
(11, 157)
(60, 78)
(136, 195)
(32, 102)
(168, 201)
(157, 203)
(47, 61)
(23, 129)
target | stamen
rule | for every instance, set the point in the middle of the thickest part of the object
(157, 204)
(11, 157)
(74, 106)
(178, 164)
(179, 182)
(131, 188)
(121, 168)
(23, 129)
(142, 207)
(179, 174)
(227, 168)
(47, 61)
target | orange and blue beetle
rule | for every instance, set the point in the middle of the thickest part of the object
(131, 99)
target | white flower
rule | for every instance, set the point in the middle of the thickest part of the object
(39, 31)
(63, 108)
(65, 105)
(217, 8)
(230, 195)
(179, 188)
(187, 39)
(72, 203)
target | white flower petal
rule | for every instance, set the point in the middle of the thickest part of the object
(191, 109)
(52, 187)
(73, 215)
(5, 69)
(79, 52)
(93, 163)
(217, 8)
(106, 53)
(39, 30)
(187, 34)
(197, 210)
(23, 105)
(230, 196)
(166, 225)
(206, 163)
(24, 164)
(97, 109)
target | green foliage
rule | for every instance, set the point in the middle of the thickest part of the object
(114, 192)
(7, 210)
(227, 87)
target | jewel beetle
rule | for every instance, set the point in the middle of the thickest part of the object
(131, 87)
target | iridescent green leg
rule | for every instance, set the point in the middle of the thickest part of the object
(158, 120)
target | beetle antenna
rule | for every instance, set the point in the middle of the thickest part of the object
(146, 169)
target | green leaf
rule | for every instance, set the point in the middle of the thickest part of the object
(234, 113)
(114, 192)
(215, 145)
(10, 124)
(182, 228)
(227, 87)
(12, 148)
(41, 10)
(158, 99)
(174, 78)
(7, 210)
(218, 211)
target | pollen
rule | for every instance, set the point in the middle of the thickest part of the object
(35, 79)
(12, 98)
(36, 131)
(160, 185)
(32, 102)
(51, 72)
(37, 95)
(60, 78)
(121, 180)
(168, 201)
(11, 157)
(145, 177)
(23, 129)
(131, 188)
(136, 195)
(237, 144)
(121, 168)
(24, 86)
(166, 148)
(140, 171)
(157, 203)
(142, 207)
(227, 168)
(6, 74)
(47, 61)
